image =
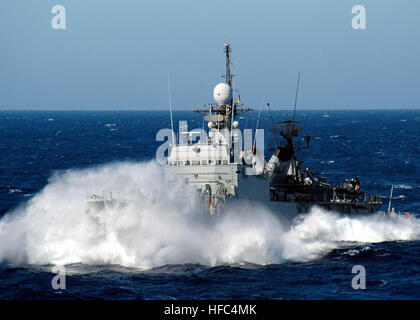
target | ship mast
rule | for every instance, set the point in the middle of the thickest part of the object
(229, 77)
(229, 109)
(228, 74)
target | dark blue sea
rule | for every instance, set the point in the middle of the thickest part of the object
(159, 248)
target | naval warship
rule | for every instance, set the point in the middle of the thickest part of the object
(222, 174)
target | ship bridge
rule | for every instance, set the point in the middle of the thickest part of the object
(199, 154)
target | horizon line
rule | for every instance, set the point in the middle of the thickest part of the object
(192, 110)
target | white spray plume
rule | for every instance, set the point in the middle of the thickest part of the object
(160, 225)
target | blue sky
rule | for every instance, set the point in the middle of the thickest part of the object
(115, 54)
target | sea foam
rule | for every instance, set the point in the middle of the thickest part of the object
(161, 225)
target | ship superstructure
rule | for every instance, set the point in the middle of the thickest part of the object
(222, 172)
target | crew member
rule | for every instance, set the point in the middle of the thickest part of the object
(354, 184)
(307, 181)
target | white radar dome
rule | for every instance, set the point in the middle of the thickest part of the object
(222, 93)
(235, 124)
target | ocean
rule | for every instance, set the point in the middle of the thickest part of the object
(162, 248)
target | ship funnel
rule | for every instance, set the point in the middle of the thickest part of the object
(222, 94)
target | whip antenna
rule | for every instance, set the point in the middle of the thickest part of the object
(390, 199)
(256, 128)
(294, 110)
(272, 124)
(170, 106)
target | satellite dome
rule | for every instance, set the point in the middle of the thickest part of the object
(222, 93)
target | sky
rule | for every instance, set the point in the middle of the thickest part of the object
(115, 55)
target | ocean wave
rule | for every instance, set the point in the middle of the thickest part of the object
(159, 227)
(403, 186)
